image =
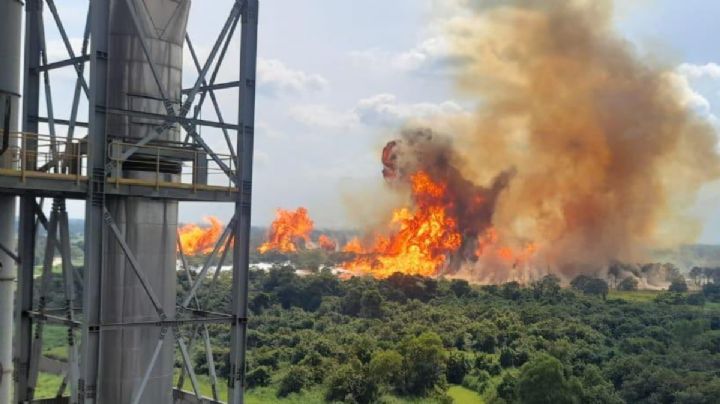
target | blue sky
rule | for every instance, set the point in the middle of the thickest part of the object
(337, 77)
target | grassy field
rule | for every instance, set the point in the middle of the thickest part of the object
(638, 296)
(461, 395)
(48, 385)
(266, 395)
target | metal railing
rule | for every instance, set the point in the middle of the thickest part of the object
(168, 165)
(176, 166)
(30, 154)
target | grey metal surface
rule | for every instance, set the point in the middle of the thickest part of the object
(94, 205)
(241, 249)
(27, 227)
(132, 86)
(128, 361)
(69, 188)
(149, 228)
(10, 32)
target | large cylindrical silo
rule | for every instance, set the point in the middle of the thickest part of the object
(10, 32)
(149, 226)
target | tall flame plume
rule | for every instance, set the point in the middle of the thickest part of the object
(287, 230)
(196, 240)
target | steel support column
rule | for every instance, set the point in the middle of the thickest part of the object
(95, 202)
(24, 299)
(27, 228)
(243, 170)
(10, 32)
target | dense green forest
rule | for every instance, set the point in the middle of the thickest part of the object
(408, 339)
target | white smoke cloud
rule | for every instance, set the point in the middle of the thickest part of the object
(690, 95)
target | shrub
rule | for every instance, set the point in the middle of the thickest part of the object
(294, 380)
(696, 299)
(711, 291)
(628, 284)
(386, 367)
(476, 381)
(258, 377)
(543, 380)
(425, 363)
(506, 358)
(457, 367)
(672, 298)
(351, 384)
(678, 285)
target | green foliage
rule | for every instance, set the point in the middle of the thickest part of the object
(628, 284)
(351, 384)
(258, 377)
(671, 298)
(371, 304)
(425, 363)
(678, 285)
(591, 286)
(711, 291)
(386, 368)
(476, 381)
(294, 380)
(543, 381)
(407, 339)
(547, 288)
(458, 366)
(460, 287)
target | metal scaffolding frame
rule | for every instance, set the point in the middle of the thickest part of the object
(80, 381)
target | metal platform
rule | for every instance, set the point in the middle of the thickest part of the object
(60, 171)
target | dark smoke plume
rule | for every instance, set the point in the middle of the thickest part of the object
(470, 204)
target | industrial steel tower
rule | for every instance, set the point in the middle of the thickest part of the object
(10, 34)
(138, 154)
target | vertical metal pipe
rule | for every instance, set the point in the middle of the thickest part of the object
(10, 31)
(145, 66)
(246, 121)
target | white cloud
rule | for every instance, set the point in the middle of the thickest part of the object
(385, 110)
(710, 70)
(322, 116)
(382, 110)
(426, 57)
(275, 77)
(430, 52)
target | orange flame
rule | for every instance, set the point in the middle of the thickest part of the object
(421, 238)
(327, 243)
(488, 247)
(286, 230)
(200, 240)
(354, 246)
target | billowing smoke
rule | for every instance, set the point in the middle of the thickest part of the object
(578, 144)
